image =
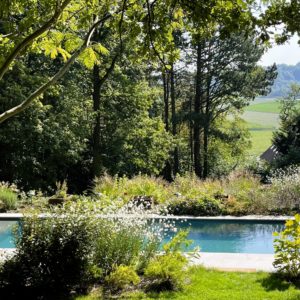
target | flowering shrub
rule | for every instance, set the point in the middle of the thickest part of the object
(74, 245)
(287, 249)
(285, 186)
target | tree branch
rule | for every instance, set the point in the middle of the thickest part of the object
(29, 39)
(22, 106)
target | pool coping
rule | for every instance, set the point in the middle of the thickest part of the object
(18, 216)
(237, 262)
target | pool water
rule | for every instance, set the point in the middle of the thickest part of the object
(6, 236)
(230, 236)
(210, 235)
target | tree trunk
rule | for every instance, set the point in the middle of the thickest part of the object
(96, 165)
(197, 112)
(167, 171)
(174, 126)
(191, 136)
(166, 99)
(205, 150)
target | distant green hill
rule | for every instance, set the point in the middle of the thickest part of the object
(286, 75)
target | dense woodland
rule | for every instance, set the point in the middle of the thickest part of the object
(128, 87)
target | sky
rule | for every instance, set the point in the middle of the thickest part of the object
(288, 53)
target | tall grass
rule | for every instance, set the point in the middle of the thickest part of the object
(239, 193)
(8, 197)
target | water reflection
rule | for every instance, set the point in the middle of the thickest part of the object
(232, 236)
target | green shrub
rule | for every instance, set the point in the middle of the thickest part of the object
(167, 271)
(8, 197)
(73, 247)
(121, 277)
(202, 206)
(287, 249)
(52, 256)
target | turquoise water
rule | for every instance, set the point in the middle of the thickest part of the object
(232, 236)
(209, 235)
(6, 238)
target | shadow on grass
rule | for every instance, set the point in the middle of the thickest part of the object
(277, 282)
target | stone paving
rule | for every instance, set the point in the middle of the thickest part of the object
(235, 261)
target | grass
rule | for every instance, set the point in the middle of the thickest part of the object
(268, 107)
(272, 106)
(216, 285)
(261, 140)
(262, 119)
(8, 198)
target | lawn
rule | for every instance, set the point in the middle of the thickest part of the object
(216, 285)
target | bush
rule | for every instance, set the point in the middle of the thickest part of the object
(52, 256)
(129, 241)
(73, 247)
(285, 187)
(117, 245)
(121, 277)
(166, 272)
(287, 249)
(202, 206)
(8, 197)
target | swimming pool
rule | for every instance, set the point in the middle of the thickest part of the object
(232, 236)
(223, 236)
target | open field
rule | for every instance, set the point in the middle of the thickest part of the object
(261, 140)
(270, 107)
(261, 126)
(265, 120)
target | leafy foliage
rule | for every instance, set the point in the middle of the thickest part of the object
(166, 271)
(121, 277)
(52, 257)
(287, 249)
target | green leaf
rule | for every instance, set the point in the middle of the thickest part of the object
(101, 49)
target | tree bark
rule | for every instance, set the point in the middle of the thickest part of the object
(191, 135)
(167, 171)
(174, 125)
(165, 77)
(96, 164)
(197, 113)
(205, 150)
